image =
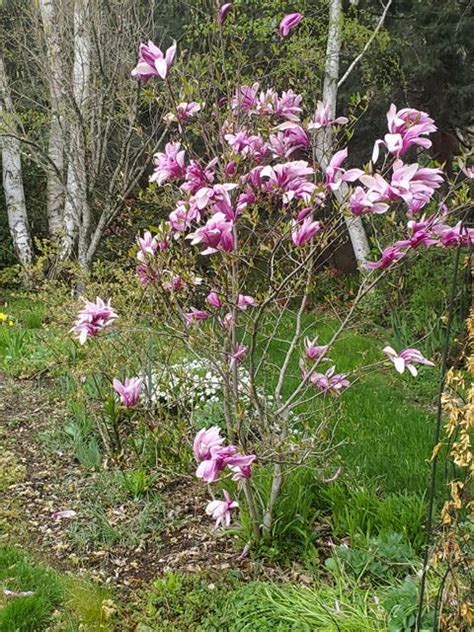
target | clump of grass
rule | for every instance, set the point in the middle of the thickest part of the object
(114, 514)
(18, 574)
(326, 608)
(58, 602)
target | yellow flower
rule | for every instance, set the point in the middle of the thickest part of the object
(10, 322)
(3, 316)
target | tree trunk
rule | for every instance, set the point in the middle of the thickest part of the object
(324, 150)
(13, 178)
(76, 208)
(55, 170)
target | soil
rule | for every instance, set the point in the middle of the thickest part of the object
(36, 482)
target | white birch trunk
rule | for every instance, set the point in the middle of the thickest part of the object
(76, 208)
(56, 71)
(325, 147)
(13, 178)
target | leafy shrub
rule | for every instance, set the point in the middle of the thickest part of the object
(382, 558)
(401, 604)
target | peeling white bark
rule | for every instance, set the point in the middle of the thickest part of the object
(55, 168)
(325, 148)
(76, 208)
(13, 177)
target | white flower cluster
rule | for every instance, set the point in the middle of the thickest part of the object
(189, 384)
(194, 385)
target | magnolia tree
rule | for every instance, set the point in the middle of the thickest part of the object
(252, 218)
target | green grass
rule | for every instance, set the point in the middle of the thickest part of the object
(28, 345)
(227, 603)
(57, 600)
(386, 425)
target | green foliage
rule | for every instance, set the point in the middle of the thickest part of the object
(58, 602)
(138, 482)
(265, 607)
(293, 533)
(186, 602)
(380, 559)
(362, 512)
(80, 432)
(29, 613)
(419, 301)
(401, 604)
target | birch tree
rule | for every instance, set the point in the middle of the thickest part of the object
(13, 177)
(54, 60)
(76, 208)
(332, 83)
(325, 144)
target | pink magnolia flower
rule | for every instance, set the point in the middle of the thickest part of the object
(217, 198)
(289, 22)
(330, 381)
(195, 316)
(206, 439)
(238, 355)
(407, 128)
(266, 102)
(146, 274)
(184, 112)
(240, 472)
(152, 62)
(335, 175)
(223, 12)
(175, 284)
(405, 359)
(322, 118)
(245, 98)
(420, 234)
(289, 138)
(93, 318)
(288, 105)
(244, 301)
(198, 177)
(169, 165)
(244, 199)
(452, 236)
(248, 145)
(148, 246)
(129, 391)
(289, 178)
(214, 300)
(363, 202)
(390, 255)
(182, 217)
(230, 168)
(304, 232)
(220, 510)
(227, 321)
(209, 469)
(313, 351)
(405, 119)
(217, 234)
(413, 184)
